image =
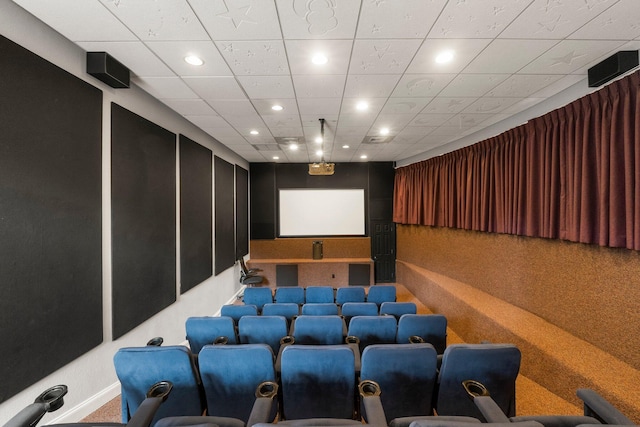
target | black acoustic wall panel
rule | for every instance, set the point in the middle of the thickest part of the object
(263, 196)
(196, 211)
(224, 213)
(50, 218)
(381, 176)
(143, 206)
(242, 212)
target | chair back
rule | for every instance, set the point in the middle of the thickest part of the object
(373, 330)
(494, 365)
(318, 382)
(319, 294)
(206, 329)
(397, 309)
(351, 309)
(287, 309)
(320, 309)
(381, 293)
(350, 294)
(258, 297)
(406, 374)
(292, 294)
(230, 376)
(236, 311)
(432, 328)
(263, 330)
(318, 330)
(138, 368)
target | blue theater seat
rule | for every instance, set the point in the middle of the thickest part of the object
(207, 329)
(290, 295)
(432, 328)
(381, 293)
(318, 382)
(258, 297)
(352, 309)
(236, 311)
(318, 330)
(397, 309)
(373, 330)
(287, 309)
(263, 330)
(320, 309)
(319, 294)
(350, 294)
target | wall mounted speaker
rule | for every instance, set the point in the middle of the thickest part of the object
(106, 68)
(612, 67)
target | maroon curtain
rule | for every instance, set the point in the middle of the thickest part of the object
(572, 174)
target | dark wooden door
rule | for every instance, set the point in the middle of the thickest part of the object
(383, 251)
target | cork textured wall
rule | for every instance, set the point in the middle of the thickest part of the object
(338, 247)
(591, 292)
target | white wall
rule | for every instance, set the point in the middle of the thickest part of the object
(91, 378)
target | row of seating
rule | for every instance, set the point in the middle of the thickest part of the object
(259, 296)
(317, 330)
(291, 310)
(319, 381)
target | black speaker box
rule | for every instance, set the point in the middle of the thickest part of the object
(106, 68)
(612, 67)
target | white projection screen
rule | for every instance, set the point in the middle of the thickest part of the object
(321, 212)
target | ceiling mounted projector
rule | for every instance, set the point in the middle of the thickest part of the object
(322, 168)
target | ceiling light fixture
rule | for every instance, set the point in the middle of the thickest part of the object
(293, 147)
(345, 146)
(193, 60)
(319, 59)
(319, 153)
(276, 158)
(254, 132)
(445, 57)
(277, 107)
(384, 131)
(318, 140)
(362, 105)
(364, 156)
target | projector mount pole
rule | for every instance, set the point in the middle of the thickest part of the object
(322, 137)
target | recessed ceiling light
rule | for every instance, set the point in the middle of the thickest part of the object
(384, 131)
(444, 57)
(319, 59)
(319, 153)
(318, 140)
(293, 147)
(362, 105)
(193, 60)
(364, 156)
(276, 158)
(254, 132)
(277, 107)
(345, 146)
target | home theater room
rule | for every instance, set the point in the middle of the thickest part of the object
(238, 213)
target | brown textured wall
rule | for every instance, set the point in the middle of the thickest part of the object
(335, 247)
(591, 292)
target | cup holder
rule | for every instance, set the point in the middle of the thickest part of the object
(52, 397)
(287, 340)
(475, 388)
(415, 339)
(155, 342)
(221, 340)
(352, 340)
(369, 388)
(160, 390)
(267, 389)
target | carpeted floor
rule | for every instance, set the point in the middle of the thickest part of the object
(531, 398)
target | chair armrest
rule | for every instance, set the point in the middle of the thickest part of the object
(284, 343)
(484, 402)
(50, 400)
(373, 410)
(156, 395)
(354, 345)
(598, 407)
(262, 410)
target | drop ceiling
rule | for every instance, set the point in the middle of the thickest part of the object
(508, 55)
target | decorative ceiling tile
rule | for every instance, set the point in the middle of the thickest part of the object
(463, 52)
(238, 19)
(569, 56)
(392, 19)
(215, 88)
(265, 87)
(508, 56)
(468, 85)
(421, 85)
(523, 85)
(405, 105)
(165, 87)
(255, 58)
(370, 86)
(382, 56)
(318, 19)
(174, 53)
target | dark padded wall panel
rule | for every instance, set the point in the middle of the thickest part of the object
(196, 228)
(143, 197)
(242, 212)
(225, 217)
(263, 198)
(381, 176)
(50, 218)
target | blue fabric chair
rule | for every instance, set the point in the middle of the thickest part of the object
(381, 293)
(406, 374)
(138, 368)
(258, 297)
(230, 376)
(494, 365)
(236, 311)
(319, 294)
(350, 294)
(397, 309)
(432, 328)
(373, 330)
(263, 330)
(351, 309)
(320, 309)
(318, 382)
(287, 309)
(205, 330)
(290, 295)
(318, 330)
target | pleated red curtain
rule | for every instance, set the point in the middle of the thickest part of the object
(572, 174)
